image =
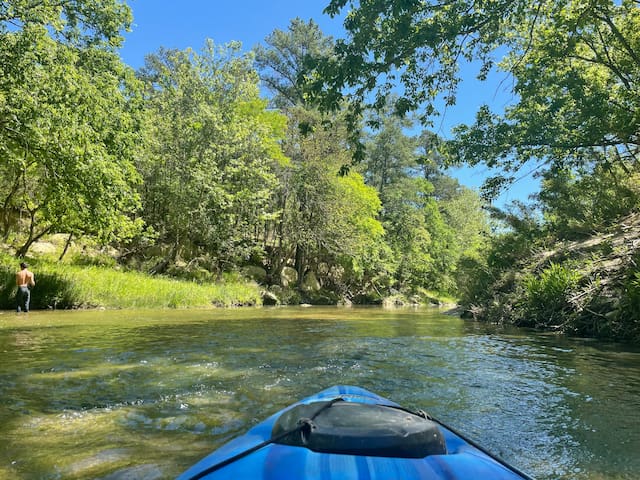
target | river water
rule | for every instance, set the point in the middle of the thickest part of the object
(121, 395)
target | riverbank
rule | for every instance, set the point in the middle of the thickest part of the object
(589, 287)
(66, 286)
(62, 285)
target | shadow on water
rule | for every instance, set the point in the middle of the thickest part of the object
(145, 394)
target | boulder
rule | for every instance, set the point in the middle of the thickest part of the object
(255, 272)
(288, 276)
(310, 282)
(269, 298)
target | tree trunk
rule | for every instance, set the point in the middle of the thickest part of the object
(22, 251)
(299, 265)
(66, 247)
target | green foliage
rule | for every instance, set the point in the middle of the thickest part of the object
(474, 280)
(546, 300)
(68, 122)
(577, 204)
(327, 218)
(63, 286)
(416, 44)
(96, 260)
(364, 264)
(82, 23)
(208, 166)
(518, 233)
(632, 297)
(575, 68)
(225, 182)
(282, 61)
(489, 278)
(626, 323)
(112, 289)
(576, 65)
(589, 289)
(328, 222)
(430, 220)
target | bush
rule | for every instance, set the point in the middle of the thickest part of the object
(97, 260)
(629, 313)
(473, 281)
(546, 296)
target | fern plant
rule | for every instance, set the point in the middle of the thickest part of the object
(545, 301)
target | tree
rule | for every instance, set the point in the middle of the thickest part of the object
(329, 218)
(391, 154)
(577, 81)
(80, 23)
(281, 62)
(412, 47)
(213, 145)
(68, 121)
(429, 218)
(580, 203)
(575, 67)
(325, 219)
(462, 208)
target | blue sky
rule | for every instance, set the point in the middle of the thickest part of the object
(173, 24)
(187, 23)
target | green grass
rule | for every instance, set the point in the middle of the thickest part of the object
(438, 297)
(60, 285)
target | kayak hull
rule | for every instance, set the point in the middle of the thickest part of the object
(283, 462)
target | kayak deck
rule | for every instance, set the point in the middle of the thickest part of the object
(275, 461)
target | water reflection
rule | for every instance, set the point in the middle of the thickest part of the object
(145, 394)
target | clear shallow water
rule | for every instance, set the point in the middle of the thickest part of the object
(143, 395)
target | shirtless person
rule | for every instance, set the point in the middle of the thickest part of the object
(24, 280)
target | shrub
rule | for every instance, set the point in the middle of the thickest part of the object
(97, 260)
(545, 301)
(629, 313)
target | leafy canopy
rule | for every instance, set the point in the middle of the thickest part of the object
(68, 120)
(208, 168)
(575, 68)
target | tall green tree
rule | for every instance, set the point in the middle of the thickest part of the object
(330, 218)
(462, 208)
(391, 153)
(431, 220)
(413, 221)
(69, 121)
(281, 62)
(208, 169)
(325, 219)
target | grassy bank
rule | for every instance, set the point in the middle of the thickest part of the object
(61, 286)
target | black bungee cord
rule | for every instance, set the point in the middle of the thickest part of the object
(303, 426)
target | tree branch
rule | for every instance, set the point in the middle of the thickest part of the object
(619, 36)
